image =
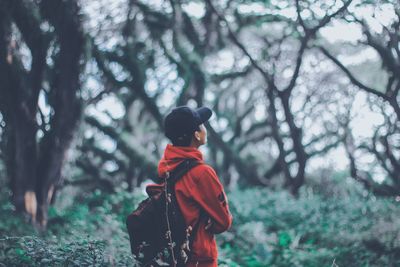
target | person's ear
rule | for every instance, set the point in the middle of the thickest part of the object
(197, 135)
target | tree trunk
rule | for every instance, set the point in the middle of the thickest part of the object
(296, 136)
(33, 172)
(67, 107)
(281, 161)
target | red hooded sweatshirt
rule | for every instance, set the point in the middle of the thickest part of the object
(198, 190)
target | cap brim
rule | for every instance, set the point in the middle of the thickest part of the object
(204, 114)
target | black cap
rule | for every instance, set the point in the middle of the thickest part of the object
(184, 121)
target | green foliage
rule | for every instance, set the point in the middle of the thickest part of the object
(270, 229)
(34, 251)
(276, 229)
(91, 232)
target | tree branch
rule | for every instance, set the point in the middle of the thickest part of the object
(236, 41)
(350, 75)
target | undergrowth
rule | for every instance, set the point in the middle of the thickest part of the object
(271, 228)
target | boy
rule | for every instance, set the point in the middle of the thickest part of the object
(199, 193)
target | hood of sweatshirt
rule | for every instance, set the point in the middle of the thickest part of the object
(173, 155)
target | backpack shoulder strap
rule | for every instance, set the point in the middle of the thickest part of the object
(181, 170)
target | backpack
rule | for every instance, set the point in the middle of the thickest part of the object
(157, 229)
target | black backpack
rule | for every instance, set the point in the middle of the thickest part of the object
(157, 229)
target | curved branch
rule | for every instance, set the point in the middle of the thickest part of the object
(236, 41)
(351, 77)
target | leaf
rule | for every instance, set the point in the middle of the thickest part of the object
(284, 239)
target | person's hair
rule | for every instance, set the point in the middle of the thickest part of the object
(185, 140)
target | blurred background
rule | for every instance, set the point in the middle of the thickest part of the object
(305, 134)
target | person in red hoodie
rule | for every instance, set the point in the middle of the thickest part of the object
(199, 193)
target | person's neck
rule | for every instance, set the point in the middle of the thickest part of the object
(194, 145)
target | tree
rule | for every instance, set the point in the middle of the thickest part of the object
(36, 143)
(381, 145)
(275, 93)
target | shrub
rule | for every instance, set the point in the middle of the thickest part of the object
(276, 229)
(271, 228)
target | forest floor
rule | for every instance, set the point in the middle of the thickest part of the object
(338, 225)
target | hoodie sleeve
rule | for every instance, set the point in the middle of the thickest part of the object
(210, 195)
